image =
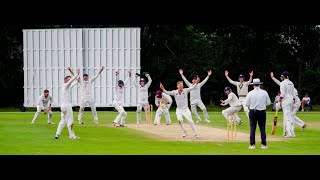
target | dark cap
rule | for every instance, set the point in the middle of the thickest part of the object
(159, 94)
(285, 74)
(241, 76)
(85, 75)
(227, 88)
(120, 82)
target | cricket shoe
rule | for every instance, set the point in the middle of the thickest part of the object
(304, 126)
(74, 137)
(123, 125)
(206, 120)
(239, 122)
(116, 124)
(32, 122)
(96, 121)
(252, 147)
(168, 123)
(198, 121)
(138, 122)
(50, 122)
(80, 122)
(264, 147)
(56, 137)
(184, 134)
(197, 136)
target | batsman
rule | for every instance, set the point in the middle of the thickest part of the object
(143, 94)
(163, 102)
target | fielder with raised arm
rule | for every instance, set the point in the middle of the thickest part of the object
(143, 95)
(181, 98)
(296, 105)
(234, 102)
(195, 96)
(66, 106)
(117, 100)
(163, 102)
(287, 98)
(43, 105)
(86, 96)
(242, 89)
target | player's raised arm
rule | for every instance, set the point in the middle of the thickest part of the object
(134, 80)
(116, 78)
(165, 91)
(226, 73)
(129, 76)
(206, 79)
(184, 78)
(74, 77)
(149, 80)
(95, 77)
(274, 79)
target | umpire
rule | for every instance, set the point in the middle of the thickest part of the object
(257, 100)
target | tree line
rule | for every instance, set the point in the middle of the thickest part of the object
(196, 49)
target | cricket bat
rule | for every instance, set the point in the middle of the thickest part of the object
(275, 119)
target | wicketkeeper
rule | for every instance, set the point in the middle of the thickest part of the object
(143, 95)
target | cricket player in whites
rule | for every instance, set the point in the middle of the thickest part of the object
(296, 105)
(86, 97)
(195, 96)
(143, 95)
(181, 98)
(66, 106)
(43, 105)
(242, 89)
(234, 102)
(287, 99)
(117, 100)
(163, 102)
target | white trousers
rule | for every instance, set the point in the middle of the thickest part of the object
(245, 108)
(232, 110)
(66, 119)
(83, 102)
(46, 110)
(288, 122)
(141, 104)
(163, 109)
(200, 104)
(297, 120)
(122, 113)
(187, 114)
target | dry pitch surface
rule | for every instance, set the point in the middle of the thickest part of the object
(173, 132)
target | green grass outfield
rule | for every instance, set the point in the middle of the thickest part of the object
(19, 137)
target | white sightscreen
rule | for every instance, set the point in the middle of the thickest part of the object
(48, 52)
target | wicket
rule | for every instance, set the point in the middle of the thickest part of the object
(232, 127)
(149, 113)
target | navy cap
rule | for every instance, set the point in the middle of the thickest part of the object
(227, 88)
(85, 74)
(241, 76)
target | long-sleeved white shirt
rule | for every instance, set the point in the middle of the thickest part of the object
(258, 99)
(143, 91)
(85, 86)
(242, 88)
(232, 100)
(297, 99)
(181, 98)
(43, 101)
(195, 94)
(66, 92)
(164, 100)
(276, 81)
(287, 90)
(118, 92)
